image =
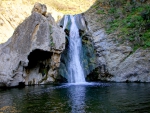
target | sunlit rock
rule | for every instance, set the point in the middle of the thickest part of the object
(33, 50)
(40, 8)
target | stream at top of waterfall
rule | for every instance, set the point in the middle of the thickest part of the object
(77, 98)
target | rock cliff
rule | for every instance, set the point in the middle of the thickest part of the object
(14, 12)
(32, 54)
(116, 62)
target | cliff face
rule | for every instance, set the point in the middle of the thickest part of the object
(119, 31)
(118, 60)
(32, 54)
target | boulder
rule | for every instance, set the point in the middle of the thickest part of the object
(14, 12)
(40, 8)
(26, 57)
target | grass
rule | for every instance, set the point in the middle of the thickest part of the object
(129, 20)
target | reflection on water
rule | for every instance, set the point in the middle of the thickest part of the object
(82, 98)
(77, 96)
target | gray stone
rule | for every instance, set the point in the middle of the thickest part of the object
(36, 35)
(117, 62)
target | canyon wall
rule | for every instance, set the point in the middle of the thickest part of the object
(116, 61)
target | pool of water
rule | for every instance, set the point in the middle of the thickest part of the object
(81, 98)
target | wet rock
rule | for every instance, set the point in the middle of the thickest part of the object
(87, 56)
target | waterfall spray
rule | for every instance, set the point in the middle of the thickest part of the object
(75, 70)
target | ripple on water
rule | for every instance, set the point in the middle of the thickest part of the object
(78, 98)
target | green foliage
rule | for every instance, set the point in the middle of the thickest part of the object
(87, 42)
(100, 12)
(52, 44)
(129, 20)
(146, 38)
(112, 10)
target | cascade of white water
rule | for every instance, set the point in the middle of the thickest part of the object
(75, 70)
(65, 22)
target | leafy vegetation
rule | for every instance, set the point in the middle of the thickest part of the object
(128, 19)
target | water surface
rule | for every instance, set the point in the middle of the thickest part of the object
(81, 98)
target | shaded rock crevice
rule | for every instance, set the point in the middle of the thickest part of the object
(38, 67)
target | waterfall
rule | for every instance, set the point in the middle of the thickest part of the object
(65, 22)
(75, 70)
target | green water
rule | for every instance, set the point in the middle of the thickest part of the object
(83, 98)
